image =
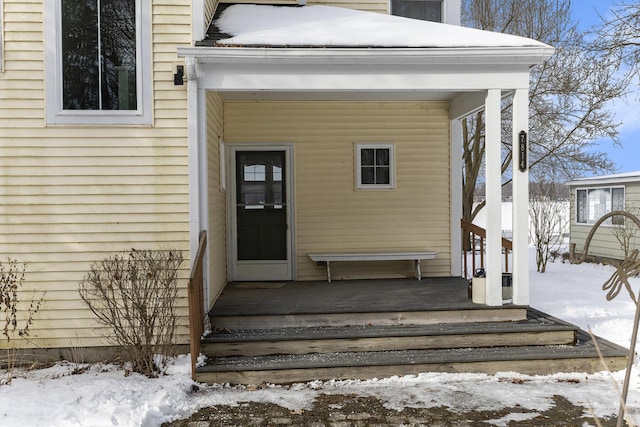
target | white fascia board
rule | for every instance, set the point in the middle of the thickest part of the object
(362, 69)
(526, 55)
(382, 78)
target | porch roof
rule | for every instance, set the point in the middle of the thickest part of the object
(330, 53)
(326, 27)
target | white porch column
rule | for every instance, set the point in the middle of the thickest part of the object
(197, 150)
(493, 191)
(195, 161)
(456, 196)
(520, 200)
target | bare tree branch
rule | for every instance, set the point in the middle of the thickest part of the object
(569, 94)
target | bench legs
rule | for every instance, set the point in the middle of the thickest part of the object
(418, 271)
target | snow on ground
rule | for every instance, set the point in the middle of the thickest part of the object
(103, 396)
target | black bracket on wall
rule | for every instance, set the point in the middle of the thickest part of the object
(178, 77)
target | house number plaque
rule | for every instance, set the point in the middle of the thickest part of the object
(522, 149)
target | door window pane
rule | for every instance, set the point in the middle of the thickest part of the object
(254, 173)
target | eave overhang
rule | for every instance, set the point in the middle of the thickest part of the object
(360, 73)
(526, 55)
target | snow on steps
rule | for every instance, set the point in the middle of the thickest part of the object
(362, 346)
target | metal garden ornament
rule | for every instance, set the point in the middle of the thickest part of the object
(628, 268)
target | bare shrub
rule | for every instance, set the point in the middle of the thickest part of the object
(548, 222)
(134, 295)
(14, 326)
(625, 231)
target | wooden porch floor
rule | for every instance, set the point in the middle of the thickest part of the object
(347, 296)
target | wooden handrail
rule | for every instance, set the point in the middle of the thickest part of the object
(196, 303)
(476, 231)
(479, 231)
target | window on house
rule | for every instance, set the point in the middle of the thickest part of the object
(427, 10)
(100, 63)
(593, 203)
(375, 166)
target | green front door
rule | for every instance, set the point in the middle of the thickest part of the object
(261, 216)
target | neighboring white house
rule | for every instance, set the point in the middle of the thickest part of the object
(591, 198)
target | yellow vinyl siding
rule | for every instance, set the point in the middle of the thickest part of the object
(330, 214)
(73, 195)
(217, 199)
(210, 7)
(22, 81)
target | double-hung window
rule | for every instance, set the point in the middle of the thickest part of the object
(593, 203)
(375, 166)
(427, 10)
(98, 62)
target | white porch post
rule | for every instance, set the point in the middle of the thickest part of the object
(493, 191)
(456, 196)
(193, 136)
(197, 149)
(520, 201)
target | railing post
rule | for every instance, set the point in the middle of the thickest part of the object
(196, 303)
(479, 232)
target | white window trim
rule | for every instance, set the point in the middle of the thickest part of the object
(392, 168)
(56, 115)
(610, 188)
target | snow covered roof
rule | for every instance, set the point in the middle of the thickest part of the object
(326, 26)
(614, 178)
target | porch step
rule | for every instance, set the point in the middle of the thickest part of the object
(301, 331)
(290, 368)
(540, 344)
(378, 318)
(256, 342)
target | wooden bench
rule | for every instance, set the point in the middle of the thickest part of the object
(373, 256)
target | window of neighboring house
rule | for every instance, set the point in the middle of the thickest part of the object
(375, 166)
(593, 203)
(427, 10)
(99, 62)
